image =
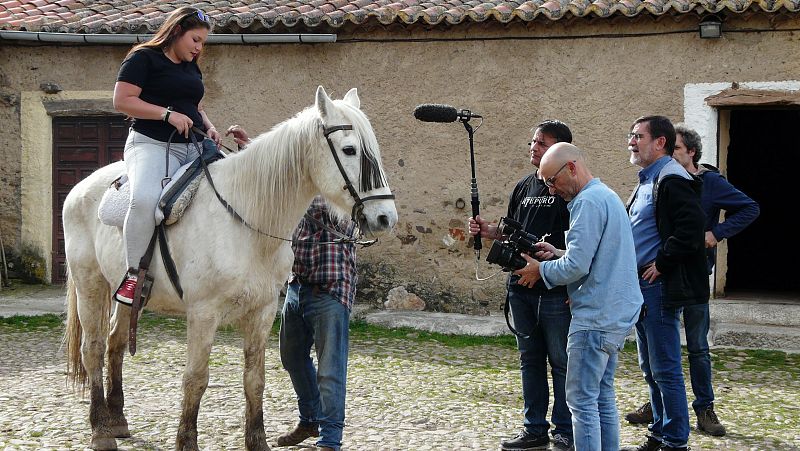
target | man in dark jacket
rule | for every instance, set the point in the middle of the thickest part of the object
(718, 194)
(668, 228)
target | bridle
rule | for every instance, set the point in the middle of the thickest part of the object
(355, 214)
(358, 207)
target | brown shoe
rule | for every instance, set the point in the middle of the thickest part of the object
(298, 434)
(324, 448)
(642, 415)
(707, 421)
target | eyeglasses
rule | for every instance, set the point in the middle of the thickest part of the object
(550, 181)
(637, 136)
(539, 142)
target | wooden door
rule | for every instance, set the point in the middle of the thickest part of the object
(81, 145)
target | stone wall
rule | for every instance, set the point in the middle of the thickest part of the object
(597, 85)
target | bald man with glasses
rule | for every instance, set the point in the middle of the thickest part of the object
(598, 267)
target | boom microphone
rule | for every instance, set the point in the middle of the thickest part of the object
(432, 112)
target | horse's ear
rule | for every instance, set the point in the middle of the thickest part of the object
(323, 102)
(352, 98)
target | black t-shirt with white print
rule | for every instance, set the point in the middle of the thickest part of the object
(540, 213)
(164, 83)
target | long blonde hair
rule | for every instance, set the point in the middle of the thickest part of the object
(178, 22)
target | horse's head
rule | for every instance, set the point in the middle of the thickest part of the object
(352, 178)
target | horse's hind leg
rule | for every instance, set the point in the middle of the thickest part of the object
(199, 337)
(255, 330)
(117, 341)
(93, 306)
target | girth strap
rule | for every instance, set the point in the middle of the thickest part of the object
(166, 257)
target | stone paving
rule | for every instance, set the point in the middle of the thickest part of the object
(403, 394)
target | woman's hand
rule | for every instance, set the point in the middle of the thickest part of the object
(181, 122)
(214, 134)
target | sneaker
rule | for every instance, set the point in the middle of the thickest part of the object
(642, 415)
(651, 444)
(300, 432)
(708, 422)
(562, 443)
(126, 290)
(525, 441)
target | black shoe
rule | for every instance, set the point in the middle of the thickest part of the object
(562, 443)
(525, 441)
(650, 445)
(673, 448)
(707, 421)
(642, 415)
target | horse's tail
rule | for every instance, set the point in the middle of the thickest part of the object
(73, 335)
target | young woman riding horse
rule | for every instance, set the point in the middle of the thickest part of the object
(161, 87)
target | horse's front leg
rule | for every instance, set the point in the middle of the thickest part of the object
(201, 328)
(117, 341)
(255, 329)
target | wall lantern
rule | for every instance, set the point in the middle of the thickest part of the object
(711, 28)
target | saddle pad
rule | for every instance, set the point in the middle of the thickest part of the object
(114, 204)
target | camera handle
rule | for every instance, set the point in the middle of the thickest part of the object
(476, 203)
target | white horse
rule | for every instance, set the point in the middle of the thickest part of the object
(230, 273)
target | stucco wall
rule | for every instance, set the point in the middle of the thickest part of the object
(596, 85)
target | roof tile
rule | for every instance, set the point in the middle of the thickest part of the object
(120, 16)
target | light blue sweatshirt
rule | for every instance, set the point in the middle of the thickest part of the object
(599, 266)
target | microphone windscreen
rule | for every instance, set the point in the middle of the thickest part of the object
(431, 112)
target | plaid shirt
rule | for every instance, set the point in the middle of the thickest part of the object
(332, 266)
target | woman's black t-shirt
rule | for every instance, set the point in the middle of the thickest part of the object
(164, 83)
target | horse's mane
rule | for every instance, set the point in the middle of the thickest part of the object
(275, 163)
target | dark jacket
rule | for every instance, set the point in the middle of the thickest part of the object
(719, 194)
(681, 226)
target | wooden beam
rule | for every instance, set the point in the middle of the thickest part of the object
(753, 97)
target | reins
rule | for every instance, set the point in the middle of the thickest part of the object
(357, 207)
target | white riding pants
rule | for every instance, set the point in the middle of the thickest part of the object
(145, 161)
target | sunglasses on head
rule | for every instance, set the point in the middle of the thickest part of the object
(200, 15)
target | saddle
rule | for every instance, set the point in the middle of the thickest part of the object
(176, 196)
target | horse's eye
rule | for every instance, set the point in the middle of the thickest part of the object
(349, 150)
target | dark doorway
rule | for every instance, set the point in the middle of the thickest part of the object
(81, 145)
(763, 158)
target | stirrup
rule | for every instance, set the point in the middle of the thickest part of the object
(144, 283)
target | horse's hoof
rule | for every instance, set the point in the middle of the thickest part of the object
(120, 431)
(103, 443)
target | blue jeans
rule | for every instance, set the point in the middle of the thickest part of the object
(592, 362)
(659, 343)
(545, 318)
(311, 316)
(696, 321)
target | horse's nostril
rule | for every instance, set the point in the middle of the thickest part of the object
(383, 220)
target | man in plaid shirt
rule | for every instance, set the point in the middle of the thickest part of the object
(317, 311)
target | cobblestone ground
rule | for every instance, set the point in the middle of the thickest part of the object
(403, 394)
